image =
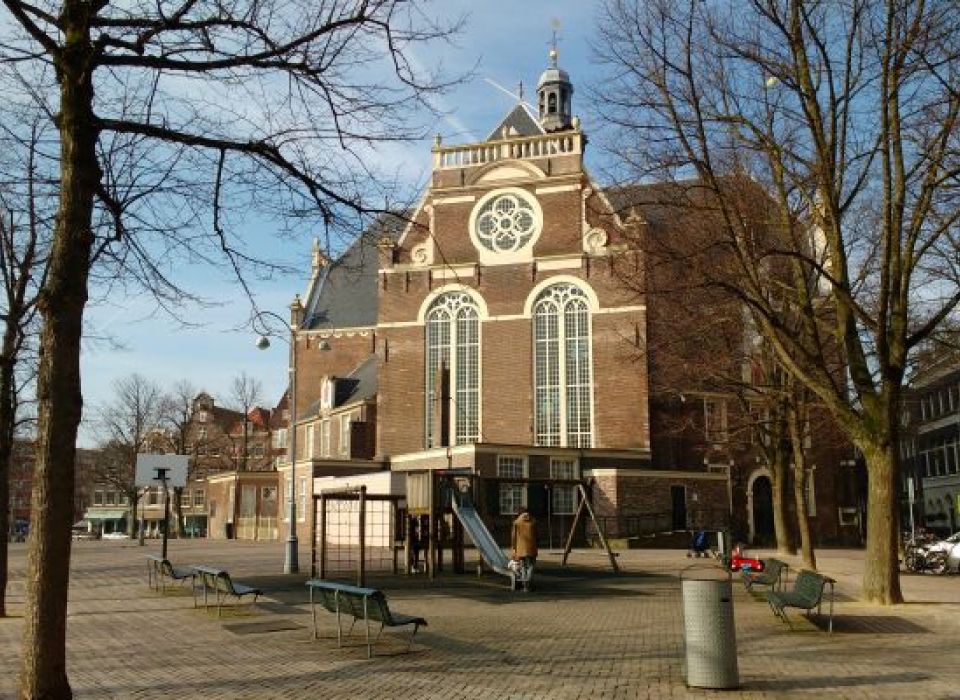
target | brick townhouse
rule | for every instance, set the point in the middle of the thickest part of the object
(489, 330)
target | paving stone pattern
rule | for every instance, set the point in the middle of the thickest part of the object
(583, 633)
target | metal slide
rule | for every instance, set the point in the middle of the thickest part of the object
(495, 557)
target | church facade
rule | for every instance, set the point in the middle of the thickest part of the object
(489, 331)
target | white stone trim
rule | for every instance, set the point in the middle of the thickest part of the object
(452, 272)
(571, 263)
(429, 299)
(524, 254)
(518, 317)
(653, 473)
(560, 279)
(557, 188)
(456, 199)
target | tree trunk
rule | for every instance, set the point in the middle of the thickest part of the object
(881, 574)
(796, 424)
(781, 525)
(7, 419)
(43, 672)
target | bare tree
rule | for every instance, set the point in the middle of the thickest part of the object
(128, 425)
(246, 392)
(840, 121)
(267, 103)
(24, 237)
(176, 417)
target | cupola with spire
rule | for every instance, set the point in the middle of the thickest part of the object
(554, 91)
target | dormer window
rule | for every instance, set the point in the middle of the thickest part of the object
(327, 392)
(552, 103)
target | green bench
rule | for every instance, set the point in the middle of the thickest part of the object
(773, 575)
(806, 594)
(160, 569)
(361, 604)
(221, 585)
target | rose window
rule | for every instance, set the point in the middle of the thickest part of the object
(505, 224)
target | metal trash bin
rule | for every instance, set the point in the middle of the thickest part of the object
(708, 630)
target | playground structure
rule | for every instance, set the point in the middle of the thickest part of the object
(355, 531)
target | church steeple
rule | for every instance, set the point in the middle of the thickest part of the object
(554, 91)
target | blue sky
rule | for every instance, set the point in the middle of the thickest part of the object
(507, 41)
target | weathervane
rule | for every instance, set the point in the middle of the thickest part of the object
(554, 52)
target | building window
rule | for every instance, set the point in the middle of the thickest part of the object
(512, 497)
(111, 498)
(511, 467)
(564, 495)
(202, 416)
(325, 438)
(345, 434)
(715, 419)
(310, 442)
(302, 500)
(453, 344)
(198, 497)
(153, 496)
(185, 499)
(258, 450)
(202, 432)
(280, 438)
(562, 392)
(98, 498)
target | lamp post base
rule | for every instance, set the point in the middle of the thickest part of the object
(291, 564)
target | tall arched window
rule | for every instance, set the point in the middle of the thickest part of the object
(561, 327)
(453, 351)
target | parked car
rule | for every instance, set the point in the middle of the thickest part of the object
(116, 536)
(944, 545)
(82, 533)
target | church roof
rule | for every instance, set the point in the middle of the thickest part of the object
(518, 122)
(347, 294)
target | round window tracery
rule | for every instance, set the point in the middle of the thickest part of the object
(506, 223)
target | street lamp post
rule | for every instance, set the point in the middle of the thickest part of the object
(291, 563)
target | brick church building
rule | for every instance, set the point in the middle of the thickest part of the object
(488, 330)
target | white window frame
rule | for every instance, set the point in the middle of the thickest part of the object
(325, 438)
(563, 494)
(512, 488)
(202, 416)
(555, 300)
(310, 442)
(449, 310)
(302, 499)
(98, 498)
(507, 461)
(199, 498)
(345, 421)
(512, 466)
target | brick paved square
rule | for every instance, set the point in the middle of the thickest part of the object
(584, 633)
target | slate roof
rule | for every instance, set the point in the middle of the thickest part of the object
(519, 120)
(360, 385)
(346, 296)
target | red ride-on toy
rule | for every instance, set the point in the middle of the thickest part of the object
(739, 560)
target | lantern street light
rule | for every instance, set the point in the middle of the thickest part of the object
(291, 563)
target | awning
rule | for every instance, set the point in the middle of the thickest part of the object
(106, 514)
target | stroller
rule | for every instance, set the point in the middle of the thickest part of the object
(700, 545)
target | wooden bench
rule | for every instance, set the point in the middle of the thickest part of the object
(160, 569)
(219, 581)
(773, 575)
(807, 594)
(361, 604)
